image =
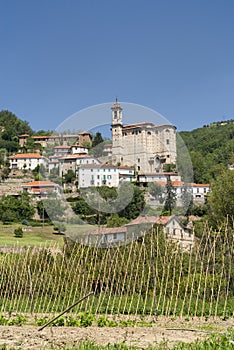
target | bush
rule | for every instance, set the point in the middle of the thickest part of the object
(18, 232)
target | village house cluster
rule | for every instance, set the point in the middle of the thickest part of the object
(138, 153)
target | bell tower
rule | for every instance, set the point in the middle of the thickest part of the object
(116, 132)
(116, 113)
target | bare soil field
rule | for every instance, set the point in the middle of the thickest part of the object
(163, 330)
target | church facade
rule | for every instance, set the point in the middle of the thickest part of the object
(143, 145)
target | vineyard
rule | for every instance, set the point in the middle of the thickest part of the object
(151, 276)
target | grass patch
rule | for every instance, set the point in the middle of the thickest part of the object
(32, 236)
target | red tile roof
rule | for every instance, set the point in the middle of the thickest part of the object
(26, 155)
(126, 167)
(161, 220)
(178, 183)
(62, 147)
(105, 231)
(39, 184)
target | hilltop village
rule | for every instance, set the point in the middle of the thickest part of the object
(143, 154)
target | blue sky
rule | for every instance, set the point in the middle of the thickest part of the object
(175, 57)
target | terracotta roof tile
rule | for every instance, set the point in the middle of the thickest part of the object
(105, 231)
(39, 184)
(162, 220)
(26, 155)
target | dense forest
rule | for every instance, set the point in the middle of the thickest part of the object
(211, 149)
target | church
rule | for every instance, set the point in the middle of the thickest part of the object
(144, 145)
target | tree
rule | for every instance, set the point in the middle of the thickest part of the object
(69, 177)
(221, 198)
(97, 139)
(116, 221)
(170, 199)
(39, 172)
(209, 147)
(136, 206)
(11, 128)
(16, 209)
(97, 145)
(156, 191)
(18, 232)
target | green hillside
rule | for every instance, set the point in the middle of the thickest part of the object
(211, 149)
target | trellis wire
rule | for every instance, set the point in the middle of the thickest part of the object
(149, 276)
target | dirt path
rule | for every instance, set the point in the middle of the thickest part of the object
(28, 337)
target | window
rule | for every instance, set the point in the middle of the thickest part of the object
(148, 133)
(138, 160)
(115, 236)
(98, 176)
(168, 141)
(138, 168)
(115, 114)
(108, 176)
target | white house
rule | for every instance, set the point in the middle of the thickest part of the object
(98, 175)
(77, 149)
(104, 237)
(199, 191)
(74, 161)
(161, 177)
(172, 228)
(126, 173)
(27, 161)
